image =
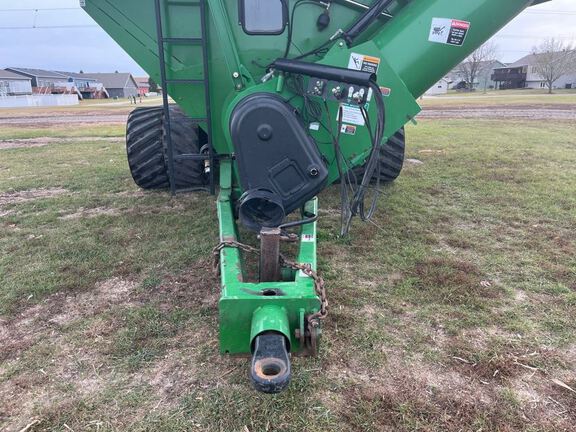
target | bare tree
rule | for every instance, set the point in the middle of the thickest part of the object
(553, 59)
(479, 63)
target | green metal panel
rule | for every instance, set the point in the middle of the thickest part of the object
(131, 23)
(421, 63)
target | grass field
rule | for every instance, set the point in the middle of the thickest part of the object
(529, 98)
(454, 311)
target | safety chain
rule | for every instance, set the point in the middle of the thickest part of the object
(230, 243)
(319, 286)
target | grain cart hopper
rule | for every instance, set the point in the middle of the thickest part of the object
(276, 100)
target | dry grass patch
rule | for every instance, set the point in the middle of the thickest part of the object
(452, 281)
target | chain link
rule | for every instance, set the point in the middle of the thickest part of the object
(230, 243)
(319, 286)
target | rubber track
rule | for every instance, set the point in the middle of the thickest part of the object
(145, 146)
(391, 158)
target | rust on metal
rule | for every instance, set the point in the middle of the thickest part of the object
(269, 368)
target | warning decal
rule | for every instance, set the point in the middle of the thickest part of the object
(352, 114)
(364, 63)
(385, 91)
(348, 130)
(448, 31)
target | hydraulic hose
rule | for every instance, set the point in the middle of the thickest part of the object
(365, 21)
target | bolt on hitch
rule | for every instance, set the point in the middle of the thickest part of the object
(271, 369)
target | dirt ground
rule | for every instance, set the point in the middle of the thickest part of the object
(64, 118)
(551, 111)
(44, 141)
(524, 112)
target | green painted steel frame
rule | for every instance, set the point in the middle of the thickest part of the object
(244, 309)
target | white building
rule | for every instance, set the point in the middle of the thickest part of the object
(440, 88)
(12, 84)
(483, 79)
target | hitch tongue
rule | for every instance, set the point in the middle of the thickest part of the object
(271, 369)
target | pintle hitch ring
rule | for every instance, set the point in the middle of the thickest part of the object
(271, 370)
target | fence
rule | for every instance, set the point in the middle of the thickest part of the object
(38, 101)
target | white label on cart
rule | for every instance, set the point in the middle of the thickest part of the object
(314, 126)
(363, 63)
(448, 31)
(307, 238)
(352, 115)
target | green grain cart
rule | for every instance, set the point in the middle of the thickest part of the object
(275, 100)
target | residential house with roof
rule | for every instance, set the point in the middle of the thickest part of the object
(522, 74)
(88, 87)
(483, 79)
(143, 85)
(118, 85)
(47, 82)
(12, 84)
(43, 81)
(440, 88)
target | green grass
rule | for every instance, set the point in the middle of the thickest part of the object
(60, 131)
(453, 311)
(527, 98)
(523, 92)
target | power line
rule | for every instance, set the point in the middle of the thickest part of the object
(50, 27)
(518, 36)
(550, 12)
(35, 27)
(529, 11)
(39, 9)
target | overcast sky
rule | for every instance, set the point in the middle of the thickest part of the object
(91, 49)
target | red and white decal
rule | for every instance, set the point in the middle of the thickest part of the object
(448, 31)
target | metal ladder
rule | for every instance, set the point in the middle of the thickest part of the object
(203, 41)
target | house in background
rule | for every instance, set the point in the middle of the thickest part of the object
(12, 84)
(118, 85)
(483, 79)
(143, 85)
(43, 81)
(35, 87)
(522, 74)
(569, 81)
(89, 88)
(440, 88)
